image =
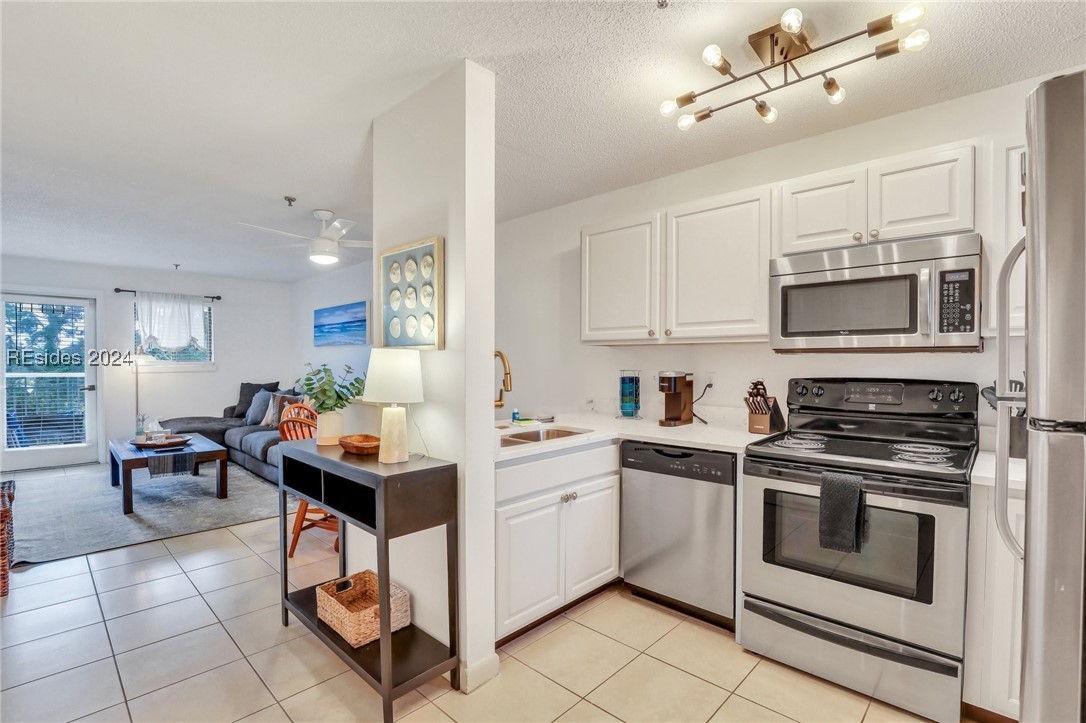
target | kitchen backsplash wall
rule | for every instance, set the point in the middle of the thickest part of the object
(538, 273)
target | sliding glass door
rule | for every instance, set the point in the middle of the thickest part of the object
(49, 387)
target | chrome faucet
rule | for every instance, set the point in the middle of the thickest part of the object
(507, 381)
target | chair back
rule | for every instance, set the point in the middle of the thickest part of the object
(298, 422)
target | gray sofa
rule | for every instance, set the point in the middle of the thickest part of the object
(251, 446)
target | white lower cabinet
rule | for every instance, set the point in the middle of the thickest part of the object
(557, 534)
(993, 644)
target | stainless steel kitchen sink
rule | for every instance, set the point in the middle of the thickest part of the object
(543, 435)
(508, 441)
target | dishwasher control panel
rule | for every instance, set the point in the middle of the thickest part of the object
(680, 461)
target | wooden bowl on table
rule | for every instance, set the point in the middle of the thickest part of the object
(360, 444)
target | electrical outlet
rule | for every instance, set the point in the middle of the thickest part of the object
(710, 379)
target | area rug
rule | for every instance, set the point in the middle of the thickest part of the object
(79, 513)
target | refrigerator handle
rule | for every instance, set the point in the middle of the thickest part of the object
(1008, 400)
(1003, 326)
(1002, 477)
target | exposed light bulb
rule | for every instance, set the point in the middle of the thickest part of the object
(668, 108)
(686, 122)
(792, 21)
(834, 92)
(768, 112)
(911, 14)
(916, 41)
(712, 55)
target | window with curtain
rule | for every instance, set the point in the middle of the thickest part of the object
(174, 328)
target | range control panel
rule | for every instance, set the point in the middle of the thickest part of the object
(883, 396)
(957, 299)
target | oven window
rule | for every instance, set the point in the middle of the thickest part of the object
(896, 556)
(884, 305)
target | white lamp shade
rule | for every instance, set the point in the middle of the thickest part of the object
(394, 376)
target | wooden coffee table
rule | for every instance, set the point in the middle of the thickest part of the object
(123, 458)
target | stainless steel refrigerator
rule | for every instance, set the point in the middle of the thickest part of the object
(1055, 535)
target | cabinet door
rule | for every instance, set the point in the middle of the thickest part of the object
(591, 549)
(1008, 226)
(529, 561)
(620, 280)
(1004, 606)
(718, 267)
(920, 194)
(824, 211)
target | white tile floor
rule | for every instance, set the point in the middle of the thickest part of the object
(189, 629)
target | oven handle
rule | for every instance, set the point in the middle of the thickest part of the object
(839, 635)
(951, 494)
(925, 301)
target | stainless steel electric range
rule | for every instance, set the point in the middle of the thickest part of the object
(887, 620)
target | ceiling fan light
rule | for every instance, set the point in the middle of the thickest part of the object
(323, 251)
(323, 258)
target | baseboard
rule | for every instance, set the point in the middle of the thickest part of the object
(473, 677)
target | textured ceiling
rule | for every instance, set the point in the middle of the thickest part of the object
(137, 134)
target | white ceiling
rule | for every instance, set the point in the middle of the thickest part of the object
(136, 134)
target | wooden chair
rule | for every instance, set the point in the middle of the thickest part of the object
(300, 422)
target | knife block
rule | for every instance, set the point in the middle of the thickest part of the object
(766, 423)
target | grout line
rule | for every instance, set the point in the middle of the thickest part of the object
(722, 704)
(112, 650)
(58, 672)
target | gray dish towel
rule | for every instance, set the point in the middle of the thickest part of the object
(840, 512)
(171, 464)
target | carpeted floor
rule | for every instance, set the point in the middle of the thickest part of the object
(79, 512)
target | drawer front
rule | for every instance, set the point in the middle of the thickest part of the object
(533, 477)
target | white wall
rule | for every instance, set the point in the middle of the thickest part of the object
(538, 277)
(433, 174)
(251, 332)
(331, 288)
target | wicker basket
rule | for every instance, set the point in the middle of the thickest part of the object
(353, 612)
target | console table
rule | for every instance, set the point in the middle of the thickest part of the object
(388, 501)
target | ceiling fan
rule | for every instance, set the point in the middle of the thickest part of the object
(324, 247)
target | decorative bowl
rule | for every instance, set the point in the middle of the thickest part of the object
(360, 444)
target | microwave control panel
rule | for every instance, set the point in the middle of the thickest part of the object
(957, 301)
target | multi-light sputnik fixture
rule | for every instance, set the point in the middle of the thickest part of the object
(779, 46)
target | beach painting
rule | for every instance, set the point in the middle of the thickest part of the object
(340, 325)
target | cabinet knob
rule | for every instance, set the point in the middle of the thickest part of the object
(857, 236)
(652, 332)
(565, 498)
(573, 496)
(667, 332)
(874, 233)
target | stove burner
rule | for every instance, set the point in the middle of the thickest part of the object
(931, 460)
(802, 440)
(919, 448)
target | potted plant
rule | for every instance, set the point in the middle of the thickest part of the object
(328, 394)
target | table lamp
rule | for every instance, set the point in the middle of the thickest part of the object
(394, 377)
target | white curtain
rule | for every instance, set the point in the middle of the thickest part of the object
(170, 321)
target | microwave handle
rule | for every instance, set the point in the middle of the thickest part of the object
(925, 301)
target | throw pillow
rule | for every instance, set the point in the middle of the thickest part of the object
(259, 407)
(248, 391)
(279, 402)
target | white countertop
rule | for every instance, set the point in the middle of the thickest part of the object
(719, 437)
(603, 428)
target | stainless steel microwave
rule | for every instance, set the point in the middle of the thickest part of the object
(915, 295)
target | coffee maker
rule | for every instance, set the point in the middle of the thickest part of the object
(678, 389)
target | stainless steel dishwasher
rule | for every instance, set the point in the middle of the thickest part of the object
(678, 525)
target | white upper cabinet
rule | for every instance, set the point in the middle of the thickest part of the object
(1008, 226)
(825, 210)
(717, 267)
(620, 280)
(919, 194)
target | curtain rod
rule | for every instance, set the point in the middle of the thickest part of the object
(133, 291)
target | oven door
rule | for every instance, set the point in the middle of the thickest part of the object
(908, 581)
(868, 307)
